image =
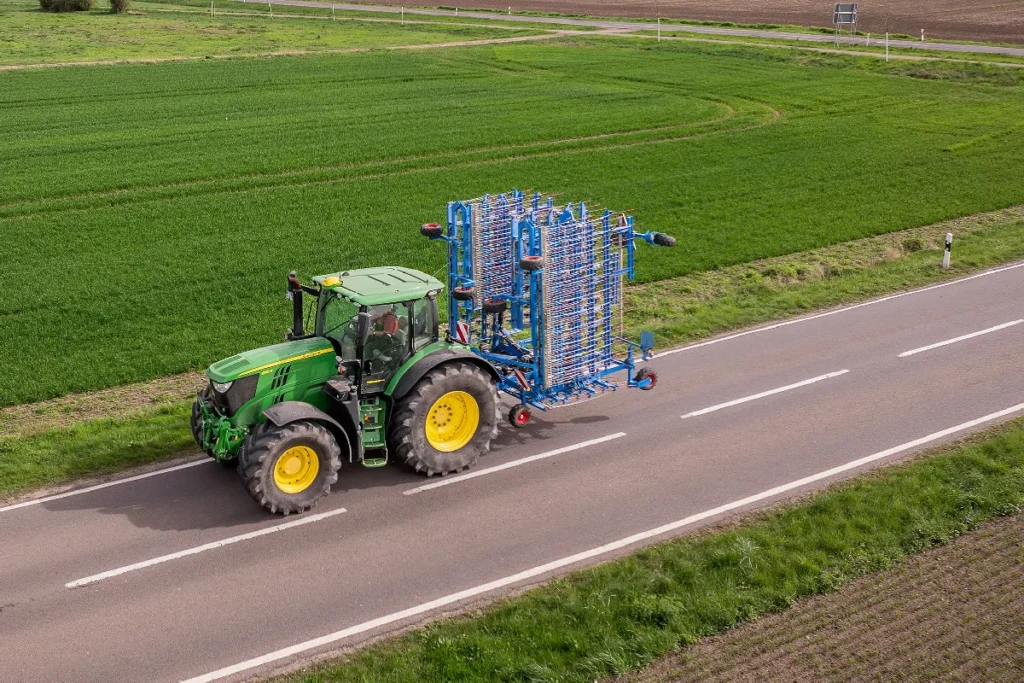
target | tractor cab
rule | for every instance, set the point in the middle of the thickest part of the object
(375, 318)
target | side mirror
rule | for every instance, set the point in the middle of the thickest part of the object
(363, 328)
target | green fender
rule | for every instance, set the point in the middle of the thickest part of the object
(428, 358)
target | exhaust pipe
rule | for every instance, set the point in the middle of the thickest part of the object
(295, 294)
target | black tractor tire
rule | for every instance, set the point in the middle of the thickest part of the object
(431, 230)
(520, 416)
(462, 293)
(495, 306)
(663, 240)
(267, 443)
(531, 263)
(407, 435)
(196, 420)
(646, 373)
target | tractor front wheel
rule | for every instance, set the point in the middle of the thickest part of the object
(447, 421)
(196, 421)
(289, 469)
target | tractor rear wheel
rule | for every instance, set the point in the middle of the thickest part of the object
(290, 468)
(447, 421)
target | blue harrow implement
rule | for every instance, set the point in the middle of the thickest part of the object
(537, 290)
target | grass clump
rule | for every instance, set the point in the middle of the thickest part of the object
(619, 616)
(120, 6)
(66, 5)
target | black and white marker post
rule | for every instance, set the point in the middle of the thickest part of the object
(949, 248)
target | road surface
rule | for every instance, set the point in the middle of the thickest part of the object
(178, 575)
(667, 26)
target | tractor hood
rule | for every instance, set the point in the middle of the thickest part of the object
(266, 359)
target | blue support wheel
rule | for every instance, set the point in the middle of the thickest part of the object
(645, 379)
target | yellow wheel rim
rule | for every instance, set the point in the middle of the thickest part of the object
(452, 421)
(296, 469)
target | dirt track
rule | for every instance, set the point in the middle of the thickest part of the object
(952, 613)
(992, 20)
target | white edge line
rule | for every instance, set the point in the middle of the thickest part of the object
(770, 392)
(514, 463)
(786, 323)
(961, 338)
(202, 548)
(116, 482)
(580, 557)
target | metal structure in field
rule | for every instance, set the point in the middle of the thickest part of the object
(536, 289)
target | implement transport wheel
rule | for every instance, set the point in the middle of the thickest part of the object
(520, 416)
(431, 230)
(447, 421)
(495, 306)
(531, 263)
(663, 240)
(646, 379)
(288, 469)
(462, 293)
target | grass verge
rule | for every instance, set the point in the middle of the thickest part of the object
(54, 441)
(93, 447)
(616, 617)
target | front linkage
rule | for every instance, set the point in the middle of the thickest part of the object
(221, 439)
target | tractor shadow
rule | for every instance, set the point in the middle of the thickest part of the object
(209, 496)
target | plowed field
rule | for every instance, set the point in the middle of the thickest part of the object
(952, 613)
(996, 20)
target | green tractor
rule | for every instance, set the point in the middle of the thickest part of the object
(372, 379)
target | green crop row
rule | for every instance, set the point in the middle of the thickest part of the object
(150, 213)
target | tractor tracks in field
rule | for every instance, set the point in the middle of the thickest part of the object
(748, 114)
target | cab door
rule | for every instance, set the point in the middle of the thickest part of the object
(386, 346)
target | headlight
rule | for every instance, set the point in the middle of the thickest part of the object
(222, 388)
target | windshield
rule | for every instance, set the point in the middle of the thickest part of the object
(339, 323)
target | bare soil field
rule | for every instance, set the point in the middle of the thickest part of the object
(988, 20)
(955, 612)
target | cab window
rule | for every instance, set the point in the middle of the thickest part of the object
(341, 325)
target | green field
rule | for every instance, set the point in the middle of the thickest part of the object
(163, 31)
(150, 213)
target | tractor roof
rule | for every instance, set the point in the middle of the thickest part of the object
(386, 285)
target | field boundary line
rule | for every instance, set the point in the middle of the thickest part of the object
(546, 34)
(599, 551)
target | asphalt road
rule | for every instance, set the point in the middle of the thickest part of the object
(393, 558)
(670, 25)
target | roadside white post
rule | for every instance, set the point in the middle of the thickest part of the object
(886, 47)
(922, 35)
(867, 43)
(510, 10)
(659, 29)
(949, 248)
(333, 18)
